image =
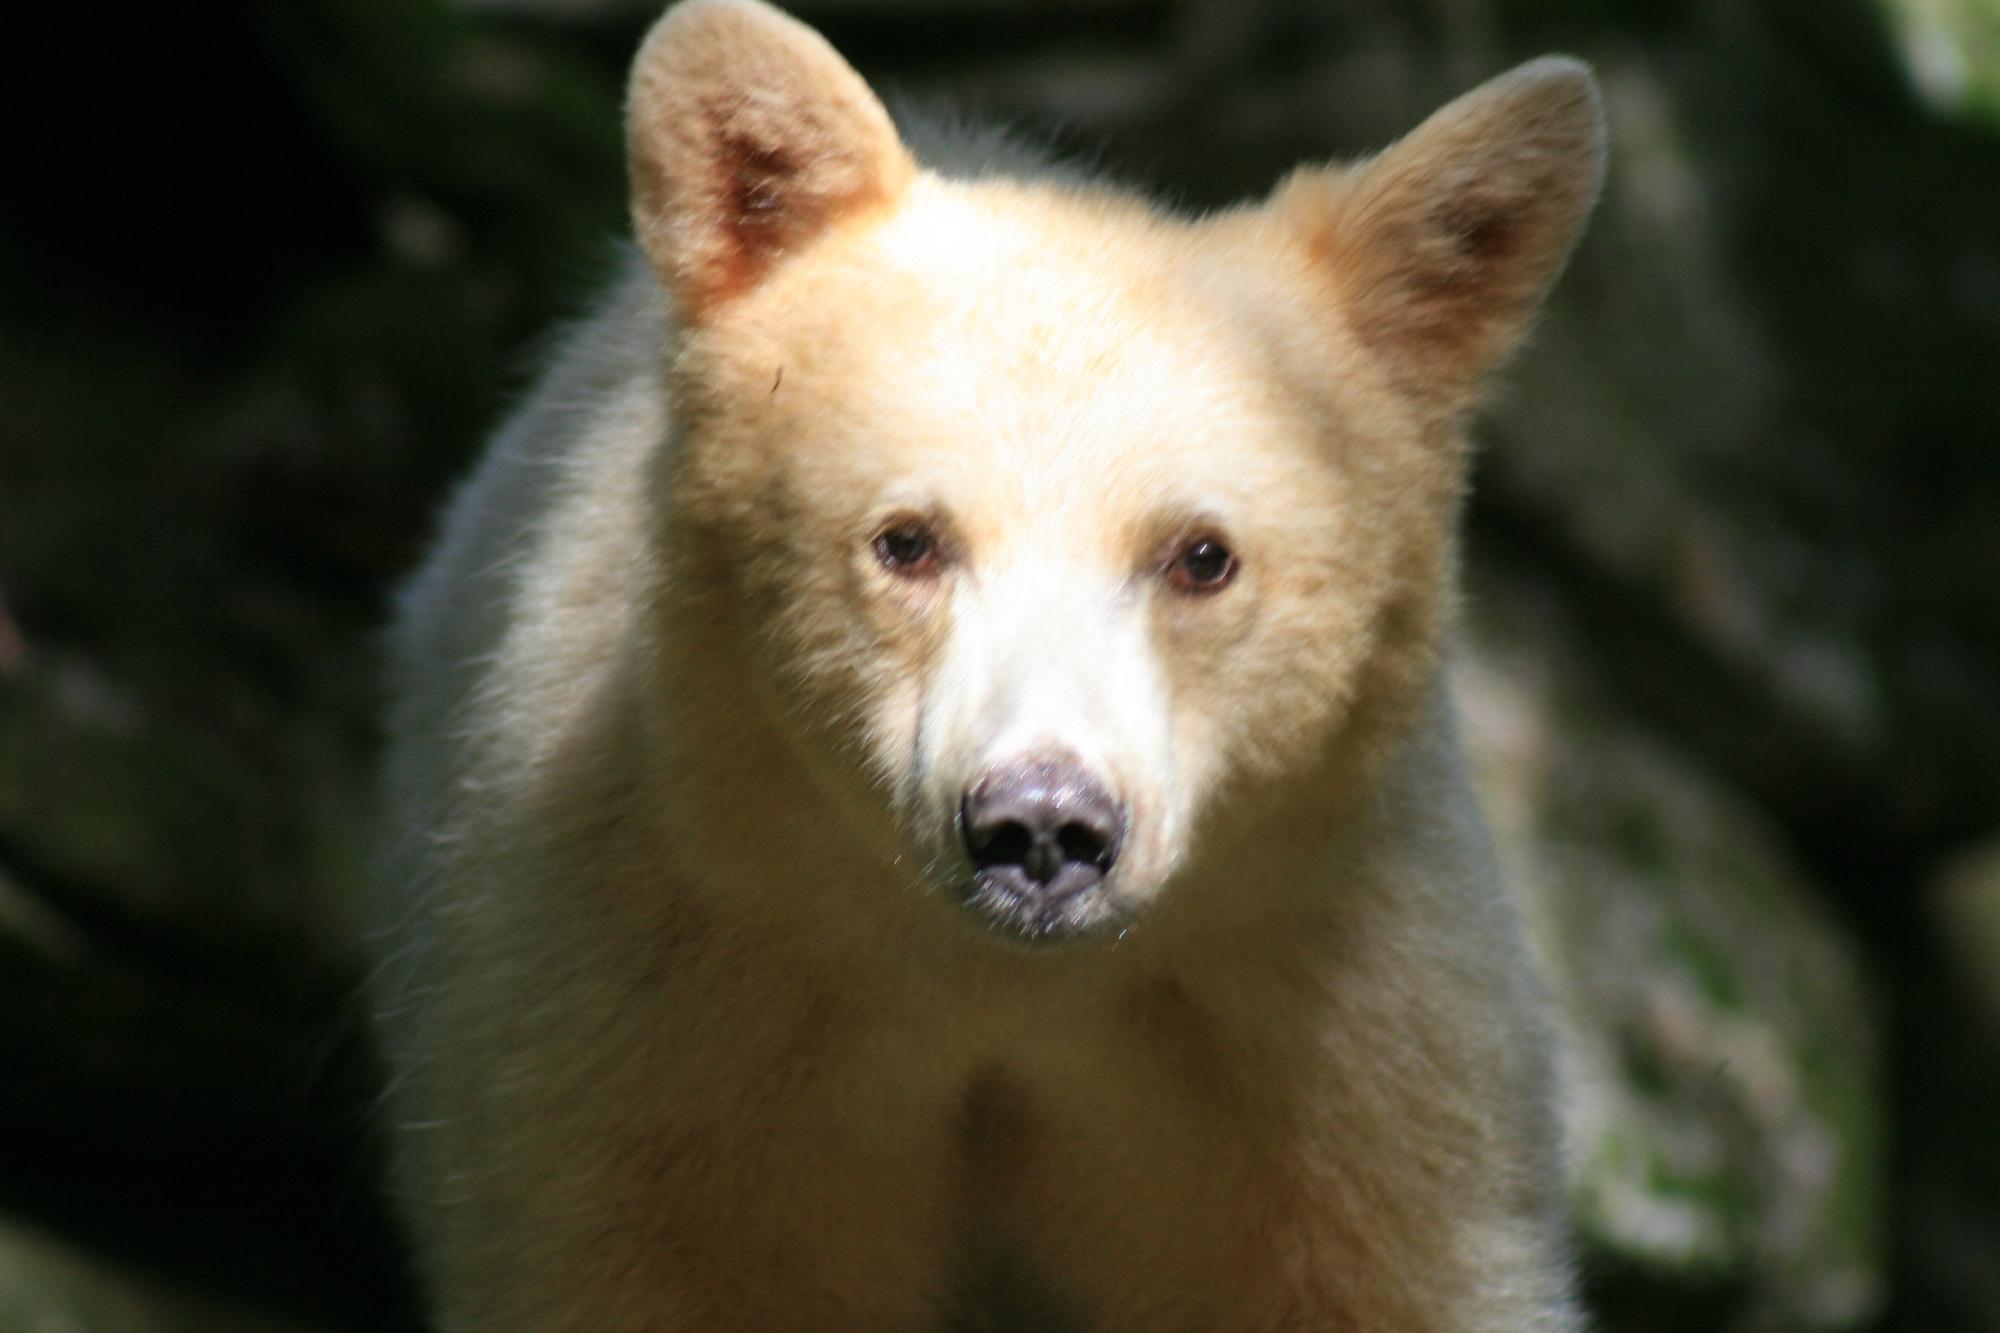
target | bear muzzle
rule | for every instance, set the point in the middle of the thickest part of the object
(1042, 834)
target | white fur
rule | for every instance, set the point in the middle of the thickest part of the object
(690, 1030)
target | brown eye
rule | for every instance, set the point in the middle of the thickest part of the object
(908, 547)
(1202, 565)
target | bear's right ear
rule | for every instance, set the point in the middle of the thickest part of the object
(747, 136)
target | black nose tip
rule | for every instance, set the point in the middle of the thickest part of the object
(1040, 832)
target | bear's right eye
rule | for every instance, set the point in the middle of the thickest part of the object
(908, 547)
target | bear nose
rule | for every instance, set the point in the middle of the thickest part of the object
(1041, 830)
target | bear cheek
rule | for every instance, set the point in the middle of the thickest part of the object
(891, 649)
(1286, 689)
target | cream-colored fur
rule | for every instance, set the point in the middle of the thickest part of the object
(692, 1024)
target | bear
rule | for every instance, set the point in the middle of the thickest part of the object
(921, 787)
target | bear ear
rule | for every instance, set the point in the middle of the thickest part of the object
(747, 136)
(1442, 247)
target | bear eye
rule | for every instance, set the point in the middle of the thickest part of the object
(908, 547)
(1202, 564)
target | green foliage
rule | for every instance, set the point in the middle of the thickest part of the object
(1952, 50)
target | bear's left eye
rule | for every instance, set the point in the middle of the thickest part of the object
(908, 547)
(1202, 564)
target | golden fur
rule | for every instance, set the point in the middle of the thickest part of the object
(688, 1031)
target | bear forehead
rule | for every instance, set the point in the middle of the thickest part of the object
(1041, 282)
(1035, 320)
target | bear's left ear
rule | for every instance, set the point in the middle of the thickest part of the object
(747, 136)
(1441, 248)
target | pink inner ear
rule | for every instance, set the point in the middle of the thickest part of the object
(771, 197)
(1458, 277)
(1443, 262)
(1481, 230)
(757, 177)
(757, 188)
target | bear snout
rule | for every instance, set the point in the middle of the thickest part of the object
(1042, 833)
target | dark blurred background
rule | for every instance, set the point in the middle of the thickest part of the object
(268, 272)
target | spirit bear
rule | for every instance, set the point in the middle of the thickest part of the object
(921, 791)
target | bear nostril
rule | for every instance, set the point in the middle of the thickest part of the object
(1042, 827)
(1080, 842)
(1007, 843)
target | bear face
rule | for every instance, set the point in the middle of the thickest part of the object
(1058, 529)
(994, 483)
